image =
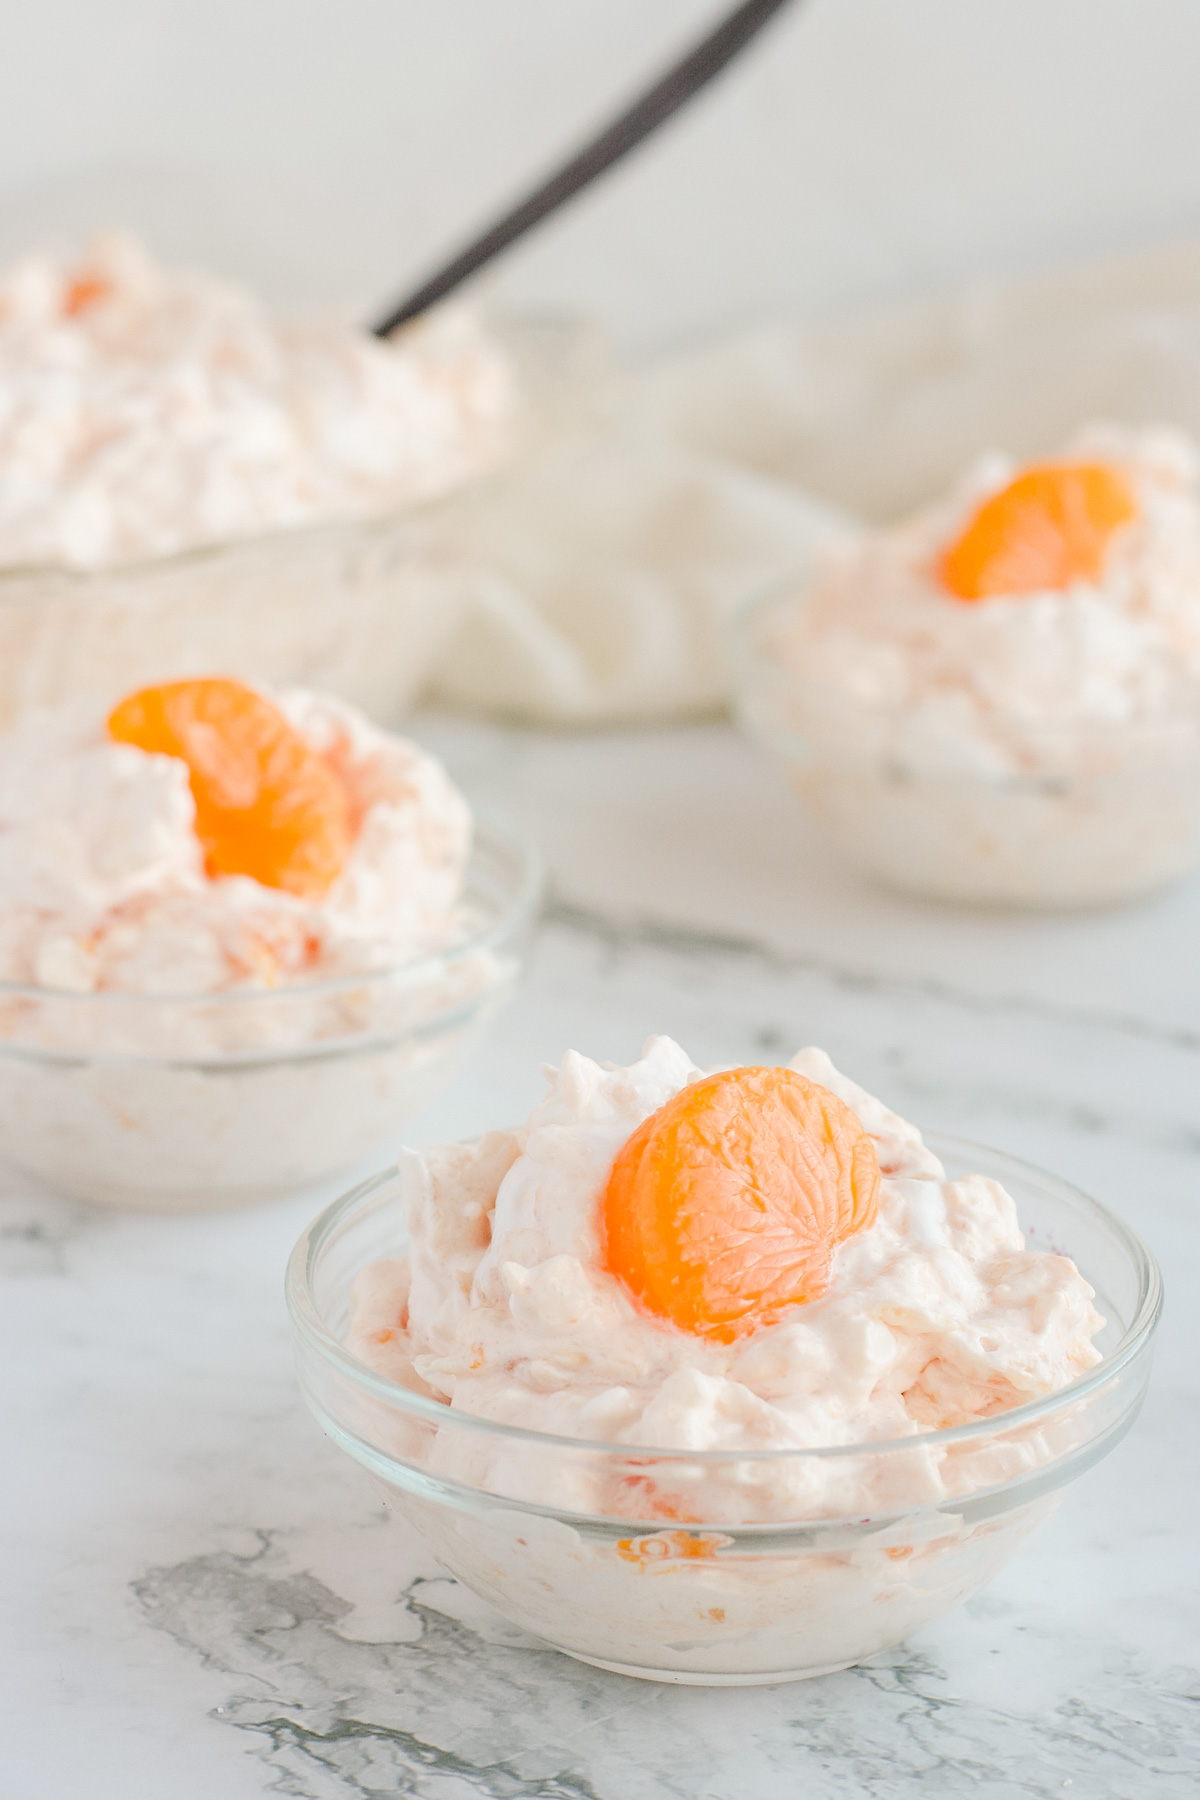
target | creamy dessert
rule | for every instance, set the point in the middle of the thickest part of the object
(1000, 698)
(187, 482)
(709, 1377)
(144, 411)
(762, 1259)
(211, 877)
(207, 838)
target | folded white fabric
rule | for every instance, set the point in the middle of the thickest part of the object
(605, 577)
(604, 571)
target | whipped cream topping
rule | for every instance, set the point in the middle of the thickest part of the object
(889, 667)
(145, 411)
(103, 886)
(935, 1315)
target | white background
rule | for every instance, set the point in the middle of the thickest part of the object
(330, 150)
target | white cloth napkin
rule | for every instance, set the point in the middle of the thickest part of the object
(604, 570)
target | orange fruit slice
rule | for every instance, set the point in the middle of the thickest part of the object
(84, 291)
(726, 1205)
(1048, 528)
(267, 805)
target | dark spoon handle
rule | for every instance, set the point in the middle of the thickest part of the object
(655, 106)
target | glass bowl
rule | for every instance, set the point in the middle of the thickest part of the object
(221, 1100)
(361, 609)
(1099, 814)
(789, 1563)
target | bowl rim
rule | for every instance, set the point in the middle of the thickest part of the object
(491, 830)
(299, 531)
(307, 1322)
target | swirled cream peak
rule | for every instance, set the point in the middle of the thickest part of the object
(102, 877)
(145, 411)
(935, 1313)
(891, 663)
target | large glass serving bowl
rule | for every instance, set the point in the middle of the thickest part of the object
(220, 1100)
(1100, 815)
(755, 1585)
(360, 608)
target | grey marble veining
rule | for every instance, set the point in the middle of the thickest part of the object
(694, 943)
(217, 1598)
(35, 1230)
(457, 1705)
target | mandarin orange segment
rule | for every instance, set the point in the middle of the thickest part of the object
(267, 805)
(726, 1205)
(83, 292)
(1048, 528)
(671, 1546)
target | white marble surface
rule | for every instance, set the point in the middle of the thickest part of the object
(195, 1605)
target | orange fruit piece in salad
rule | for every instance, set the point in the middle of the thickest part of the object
(726, 1205)
(84, 291)
(1048, 528)
(267, 804)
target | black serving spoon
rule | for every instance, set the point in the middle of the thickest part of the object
(647, 113)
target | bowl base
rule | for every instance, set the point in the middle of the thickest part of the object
(700, 1678)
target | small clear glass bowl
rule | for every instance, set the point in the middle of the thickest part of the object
(222, 1100)
(1100, 816)
(756, 1586)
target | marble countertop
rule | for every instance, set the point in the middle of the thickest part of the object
(193, 1601)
